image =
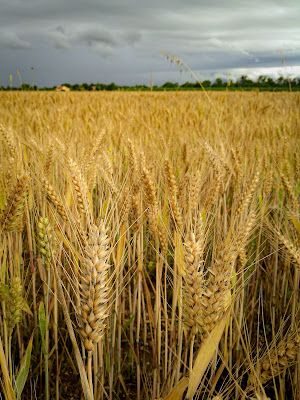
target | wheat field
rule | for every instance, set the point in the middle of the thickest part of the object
(149, 245)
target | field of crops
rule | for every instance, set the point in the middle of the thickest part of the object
(149, 245)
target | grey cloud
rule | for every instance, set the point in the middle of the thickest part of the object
(126, 37)
(103, 51)
(131, 37)
(60, 29)
(13, 41)
(59, 39)
(223, 45)
(96, 36)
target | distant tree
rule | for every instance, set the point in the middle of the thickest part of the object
(76, 87)
(86, 86)
(248, 83)
(112, 86)
(25, 86)
(67, 85)
(101, 86)
(286, 82)
(218, 83)
(240, 81)
(188, 85)
(244, 81)
(206, 84)
(170, 85)
(262, 80)
(295, 82)
(280, 81)
(270, 82)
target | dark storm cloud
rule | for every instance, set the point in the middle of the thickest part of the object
(121, 40)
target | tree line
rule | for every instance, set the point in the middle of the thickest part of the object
(243, 83)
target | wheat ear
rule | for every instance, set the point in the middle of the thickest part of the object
(292, 250)
(248, 194)
(173, 190)
(278, 358)
(12, 215)
(54, 199)
(14, 304)
(193, 282)
(94, 287)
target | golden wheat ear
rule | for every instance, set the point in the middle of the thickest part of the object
(278, 358)
(193, 282)
(94, 286)
(12, 216)
(54, 199)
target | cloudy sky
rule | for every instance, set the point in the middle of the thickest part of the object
(120, 41)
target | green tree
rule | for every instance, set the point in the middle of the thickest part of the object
(25, 86)
(187, 85)
(262, 80)
(112, 86)
(218, 83)
(295, 82)
(244, 81)
(86, 86)
(206, 84)
(76, 87)
(280, 81)
(170, 85)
